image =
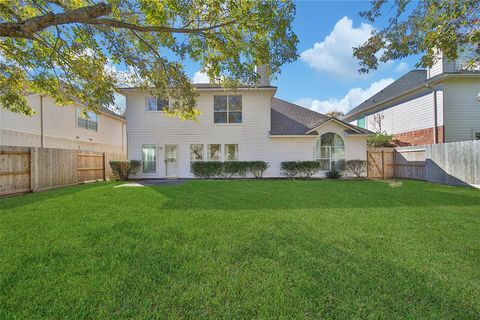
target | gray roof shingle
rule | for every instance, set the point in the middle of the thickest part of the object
(291, 119)
(407, 82)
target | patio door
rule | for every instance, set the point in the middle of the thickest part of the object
(171, 169)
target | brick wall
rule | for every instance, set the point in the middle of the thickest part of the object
(418, 137)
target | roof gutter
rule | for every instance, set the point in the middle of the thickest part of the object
(403, 94)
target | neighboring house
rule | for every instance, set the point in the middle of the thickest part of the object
(54, 126)
(245, 124)
(441, 104)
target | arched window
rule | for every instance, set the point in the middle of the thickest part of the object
(330, 151)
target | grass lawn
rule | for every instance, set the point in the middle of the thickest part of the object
(243, 249)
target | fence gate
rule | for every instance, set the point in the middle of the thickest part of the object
(380, 163)
(91, 166)
(15, 170)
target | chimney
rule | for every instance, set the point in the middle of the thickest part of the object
(441, 65)
(264, 73)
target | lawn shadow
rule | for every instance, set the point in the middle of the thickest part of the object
(32, 198)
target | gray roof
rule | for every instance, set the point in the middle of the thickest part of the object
(409, 81)
(112, 113)
(291, 119)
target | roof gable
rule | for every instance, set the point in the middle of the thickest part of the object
(291, 119)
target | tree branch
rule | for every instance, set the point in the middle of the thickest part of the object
(26, 28)
(87, 15)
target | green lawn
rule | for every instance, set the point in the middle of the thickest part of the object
(243, 249)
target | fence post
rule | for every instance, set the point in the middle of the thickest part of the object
(383, 164)
(104, 166)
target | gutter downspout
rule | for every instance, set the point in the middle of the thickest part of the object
(41, 122)
(435, 112)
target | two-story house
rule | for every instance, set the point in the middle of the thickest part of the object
(245, 124)
(441, 104)
(64, 127)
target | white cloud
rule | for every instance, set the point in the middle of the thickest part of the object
(402, 67)
(334, 54)
(200, 77)
(354, 97)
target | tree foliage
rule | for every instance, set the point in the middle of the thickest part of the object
(335, 113)
(422, 27)
(64, 48)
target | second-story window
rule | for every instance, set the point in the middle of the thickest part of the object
(156, 104)
(227, 109)
(87, 121)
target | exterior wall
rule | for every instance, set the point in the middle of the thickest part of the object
(462, 109)
(418, 137)
(412, 119)
(440, 66)
(60, 130)
(252, 136)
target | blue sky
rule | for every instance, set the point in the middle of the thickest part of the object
(325, 75)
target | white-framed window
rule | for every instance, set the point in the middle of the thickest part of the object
(330, 151)
(227, 109)
(87, 121)
(149, 158)
(214, 152)
(231, 152)
(156, 104)
(196, 153)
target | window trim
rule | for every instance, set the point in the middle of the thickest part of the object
(228, 110)
(203, 154)
(207, 158)
(156, 157)
(156, 98)
(225, 151)
(329, 148)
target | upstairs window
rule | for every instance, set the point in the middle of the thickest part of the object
(156, 104)
(227, 109)
(88, 121)
(361, 122)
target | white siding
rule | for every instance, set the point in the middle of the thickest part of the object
(252, 136)
(60, 130)
(462, 109)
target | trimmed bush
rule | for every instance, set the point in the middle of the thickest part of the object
(229, 169)
(334, 174)
(257, 168)
(207, 169)
(356, 167)
(123, 169)
(304, 169)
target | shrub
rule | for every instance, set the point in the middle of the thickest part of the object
(207, 169)
(229, 169)
(304, 169)
(257, 168)
(333, 174)
(235, 168)
(380, 140)
(356, 167)
(123, 169)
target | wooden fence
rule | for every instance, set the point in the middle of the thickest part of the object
(454, 163)
(34, 169)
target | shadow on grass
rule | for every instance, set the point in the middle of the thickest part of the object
(255, 195)
(32, 198)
